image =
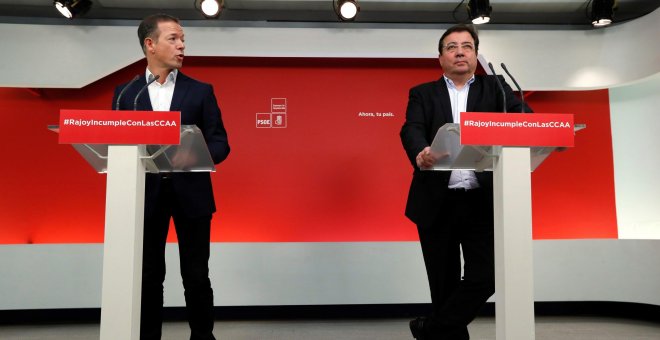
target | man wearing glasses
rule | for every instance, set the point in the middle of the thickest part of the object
(453, 210)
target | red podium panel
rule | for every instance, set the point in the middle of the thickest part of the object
(517, 129)
(119, 127)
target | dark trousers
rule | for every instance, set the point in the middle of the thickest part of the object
(194, 242)
(465, 222)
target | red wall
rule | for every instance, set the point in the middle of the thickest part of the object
(330, 175)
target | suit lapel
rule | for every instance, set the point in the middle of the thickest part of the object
(445, 103)
(143, 103)
(180, 90)
(473, 94)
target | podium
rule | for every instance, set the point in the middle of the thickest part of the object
(125, 165)
(512, 167)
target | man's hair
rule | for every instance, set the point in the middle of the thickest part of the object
(149, 27)
(460, 28)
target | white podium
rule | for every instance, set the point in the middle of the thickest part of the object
(514, 268)
(125, 166)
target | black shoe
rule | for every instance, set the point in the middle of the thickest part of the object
(417, 328)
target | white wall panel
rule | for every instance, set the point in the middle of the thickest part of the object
(74, 56)
(256, 274)
(635, 141)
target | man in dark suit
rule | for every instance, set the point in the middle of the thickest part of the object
(185, 197)
(453, 210)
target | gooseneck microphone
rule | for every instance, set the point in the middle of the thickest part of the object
(137, 96)
(522, 97)
(499, 83)
(121, 93)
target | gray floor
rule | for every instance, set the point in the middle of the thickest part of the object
(547, 328)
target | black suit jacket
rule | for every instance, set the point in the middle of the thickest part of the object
(198, 106)
(429, 108)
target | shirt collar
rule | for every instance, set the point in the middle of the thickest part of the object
(171, 77)
(450, 83)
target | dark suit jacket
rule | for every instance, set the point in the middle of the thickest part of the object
(198, 106)
(429, 108)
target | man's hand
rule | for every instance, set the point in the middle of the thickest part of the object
(425, 159)
(183, 160)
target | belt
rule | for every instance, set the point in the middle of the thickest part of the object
(464, 192)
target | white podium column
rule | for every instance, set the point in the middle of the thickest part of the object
(514, 286)
(122, 249)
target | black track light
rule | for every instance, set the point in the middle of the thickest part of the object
(72, 8)
(602, 12)
(346, 9)
(479, 11)
(210, 8)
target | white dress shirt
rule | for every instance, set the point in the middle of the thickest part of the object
(460, 179)
(161, 94)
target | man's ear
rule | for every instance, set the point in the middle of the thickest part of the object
(149, 45)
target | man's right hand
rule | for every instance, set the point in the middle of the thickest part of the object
(425, 159)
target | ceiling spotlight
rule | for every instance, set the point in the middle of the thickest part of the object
(347, 9)
(72, 8)
(210, 8)
(479, 11)
(602, 12)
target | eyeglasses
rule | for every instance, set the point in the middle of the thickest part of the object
(453, 47)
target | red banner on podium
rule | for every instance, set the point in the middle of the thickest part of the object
(119, 127)
(517, 129)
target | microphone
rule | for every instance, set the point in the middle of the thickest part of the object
(522, 98)
(499, 83)
(137, 96)
(121, 93)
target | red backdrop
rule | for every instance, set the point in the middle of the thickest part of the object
(331, 175)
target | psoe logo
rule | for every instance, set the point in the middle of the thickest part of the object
(264, 120)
